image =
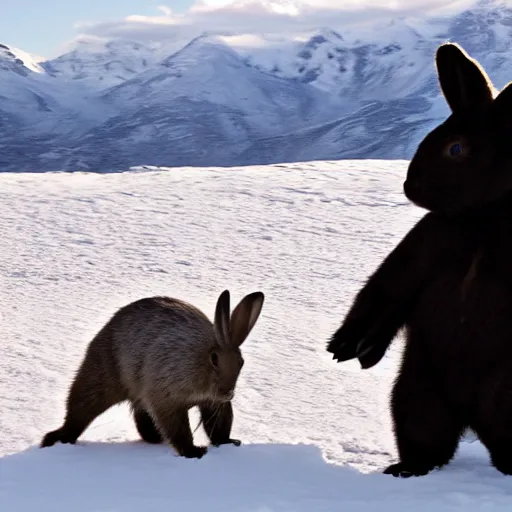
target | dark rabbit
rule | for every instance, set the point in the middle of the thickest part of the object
(449, 283)
(164, 356)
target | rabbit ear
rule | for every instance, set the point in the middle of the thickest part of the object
(221, 324)
(464, 83)
(502, 107)
(244, 317)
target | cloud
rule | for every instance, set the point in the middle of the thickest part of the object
(278, 17)
(294, 6)
(167, 11)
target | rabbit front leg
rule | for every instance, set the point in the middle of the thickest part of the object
(382, 306)
(175, 426)
(217, 421)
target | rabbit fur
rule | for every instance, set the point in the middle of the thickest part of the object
(448, 283)
(164, 356)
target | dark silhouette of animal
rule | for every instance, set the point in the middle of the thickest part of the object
(448, 283)
(164, 356)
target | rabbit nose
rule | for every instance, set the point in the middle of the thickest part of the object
(228, 393)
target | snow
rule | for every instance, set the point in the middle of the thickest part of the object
(333, 61)
(29, 61)
(196, 68)
(316, 435)
(99, 64)
(40, 103)
(349, 90)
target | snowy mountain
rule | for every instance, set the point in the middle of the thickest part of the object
(160, 121)
(367, 132)
(232, 99)
(17, 61)
(39, 114)
(102, 64)
(360, 68)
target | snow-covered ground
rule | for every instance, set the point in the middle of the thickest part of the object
(75, 247)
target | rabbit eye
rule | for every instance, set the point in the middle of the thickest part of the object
(455, 149)
(214, 358)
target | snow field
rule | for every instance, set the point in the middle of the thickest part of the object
(75, 247)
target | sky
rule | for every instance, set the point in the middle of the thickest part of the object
(48, 28)
(42, 26)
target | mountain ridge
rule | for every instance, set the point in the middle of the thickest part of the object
(217, 100)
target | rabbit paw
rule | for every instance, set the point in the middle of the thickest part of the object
(57, 436)
(343, 344)
(403, 471)
(194, 452)
(236, 442)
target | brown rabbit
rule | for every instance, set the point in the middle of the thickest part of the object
(164, 356)
(448, 283)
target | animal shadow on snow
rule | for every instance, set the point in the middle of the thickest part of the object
(121, 477)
